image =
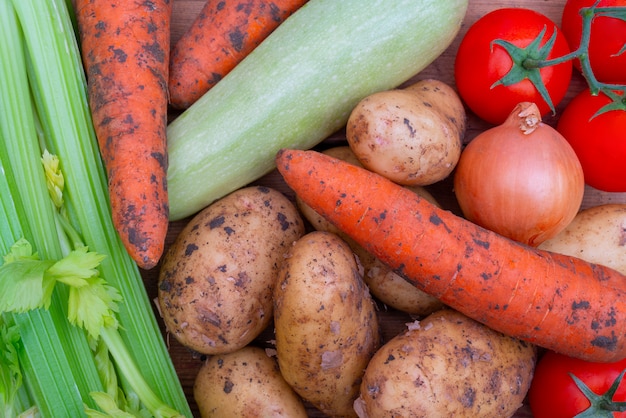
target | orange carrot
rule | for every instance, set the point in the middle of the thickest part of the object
(125, 50)
(558, 302)
(223, 34)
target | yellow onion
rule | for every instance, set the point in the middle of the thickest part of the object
(520, 179)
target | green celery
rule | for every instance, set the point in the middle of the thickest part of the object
(10, 371)
(55, 356)
(43, 355)
(92, 305)
(59, 89)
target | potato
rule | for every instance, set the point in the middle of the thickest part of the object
(438, 94)
(325, 323)
(394, 291)
(384, 284)
(597, 234)
(216, 282)
(245, 383)
(447, 365)
(343, 152)
(412, 136)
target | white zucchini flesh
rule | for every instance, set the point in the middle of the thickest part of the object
(298, 87)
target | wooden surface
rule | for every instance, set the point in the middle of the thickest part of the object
(184, 11)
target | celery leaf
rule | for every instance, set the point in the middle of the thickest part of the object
(92, 307)
(10, 372)
(55, 181)
(78, 266)
(108, 405)
(24, 284)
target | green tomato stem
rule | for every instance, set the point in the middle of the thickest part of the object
(595, 86)
(601, 405)
(613, 91)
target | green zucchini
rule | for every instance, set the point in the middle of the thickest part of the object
(298, 87)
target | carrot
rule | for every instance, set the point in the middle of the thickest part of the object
(223, 34)
(125, 51)
(558, 302)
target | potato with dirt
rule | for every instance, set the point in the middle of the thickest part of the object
(326, 326)
(447, 365)
(412, 136)
(245, 383)
(443, 98)
(216, 281)
(596, 234)
(387, 286)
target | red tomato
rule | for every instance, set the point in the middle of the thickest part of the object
(554, 394)
(608, 36)
(599, 143)
(479, 65)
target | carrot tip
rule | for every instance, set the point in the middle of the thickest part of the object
(148, 257)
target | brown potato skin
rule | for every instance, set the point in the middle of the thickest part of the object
(596, 234)
(387, 286)
(393, 290)
(216, 282)
(245, 383)
(450, 366)
(412, 136)
(444, 98)
(325, 321)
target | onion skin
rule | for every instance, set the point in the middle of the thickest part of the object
(520, 179)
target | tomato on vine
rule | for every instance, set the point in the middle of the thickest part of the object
(491, 71)
(598, 138)
(565, 387)
(607, 41)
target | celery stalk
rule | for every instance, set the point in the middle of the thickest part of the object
(45, 362)
(58, 86)
(57, 355)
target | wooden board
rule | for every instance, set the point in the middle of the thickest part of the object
(186, 362)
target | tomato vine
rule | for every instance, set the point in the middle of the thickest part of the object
(529, 60)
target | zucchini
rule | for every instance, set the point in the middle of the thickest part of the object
(298, 87)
